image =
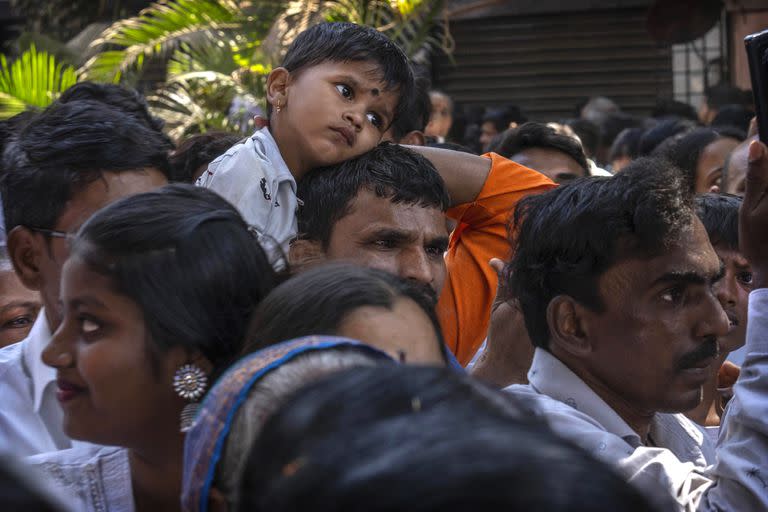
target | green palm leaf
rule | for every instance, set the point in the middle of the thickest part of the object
(160, 29)
(415, 25)
(35, 79)
(197, 102)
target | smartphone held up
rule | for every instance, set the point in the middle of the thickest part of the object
(757, 55)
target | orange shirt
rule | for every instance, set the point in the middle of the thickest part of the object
(481, 234)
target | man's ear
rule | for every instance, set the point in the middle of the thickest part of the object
(305, 253)
(413, 138)
(24, 250)
(568, 326)
(277, 82)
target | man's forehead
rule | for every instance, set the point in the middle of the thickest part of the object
(375, 212)
(108, 188)
(689, 253)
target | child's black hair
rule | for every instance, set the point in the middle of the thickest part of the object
(348, 42)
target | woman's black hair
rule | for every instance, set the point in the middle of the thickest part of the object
(199, 150)
(657, 134)
(423, 440)
(720, 215)
(686, 151)
(188, 259)
(626, 144)
(317, 302)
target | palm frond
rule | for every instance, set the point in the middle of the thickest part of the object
(197, 102)
(159, 29)
(416, 25)
(34, 79)
(422, 28)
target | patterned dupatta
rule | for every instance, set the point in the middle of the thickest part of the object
(205, 442)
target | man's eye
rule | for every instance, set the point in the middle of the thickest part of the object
(344, 90)
(435, 251)
(384, 244)
(89, 326)
(18, 322)
(745, 278)
(375, 120)
(672, 295)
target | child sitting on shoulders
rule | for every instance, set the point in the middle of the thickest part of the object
(338, 90)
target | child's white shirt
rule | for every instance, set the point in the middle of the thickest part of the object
(253, 177)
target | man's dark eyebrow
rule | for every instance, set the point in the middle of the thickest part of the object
(439, 241)
(691, 276)
(354, 82)
(20, 304)
(391, 234)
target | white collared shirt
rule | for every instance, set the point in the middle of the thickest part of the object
(682, 464)
(91, 478)
(30, 415)
(253, 177)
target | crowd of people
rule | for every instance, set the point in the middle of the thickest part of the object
(379, 301)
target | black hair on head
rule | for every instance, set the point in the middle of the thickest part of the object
(397, 425)
(389, 171)
(626, 144)
(613, 124)
(538, 135)
(188, 259)
(317, 302)
(732, 132)
(685, 152)
(720, 95)
(199, 150)
(736, 117)
(416, 115)
(569, 236)
(348, 42)
(502, 117)
(118, 97)
(659, 133)
(588, 132)
(669, 108)
(11, 126)
(720, 215)
(67, 147)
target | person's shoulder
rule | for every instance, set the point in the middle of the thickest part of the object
(239, 166)
(87, 475)
(550, 408)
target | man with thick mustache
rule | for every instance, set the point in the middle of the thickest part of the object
(616, 280)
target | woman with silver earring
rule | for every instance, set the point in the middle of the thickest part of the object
(156, 297)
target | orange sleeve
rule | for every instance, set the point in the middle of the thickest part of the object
(481, 234)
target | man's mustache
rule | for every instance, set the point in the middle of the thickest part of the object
(428, 292)
(706, 350)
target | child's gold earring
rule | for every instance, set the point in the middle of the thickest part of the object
(278, 107)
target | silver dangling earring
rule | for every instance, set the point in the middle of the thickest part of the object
(189, 382)
(278, 107)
